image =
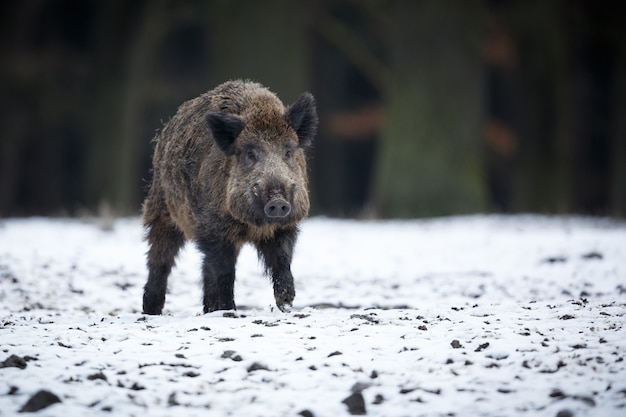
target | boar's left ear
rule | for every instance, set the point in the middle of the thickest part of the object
(225, 128)
(302, 117)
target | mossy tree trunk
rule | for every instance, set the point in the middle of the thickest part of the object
(265, 41)
(430, 160)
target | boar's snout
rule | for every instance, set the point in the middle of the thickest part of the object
(277, 208)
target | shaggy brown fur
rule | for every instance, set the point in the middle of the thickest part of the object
(229, 168)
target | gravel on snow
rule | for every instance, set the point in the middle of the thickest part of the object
(460, 316)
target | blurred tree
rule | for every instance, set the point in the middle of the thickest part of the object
(594, 33)
(428, 108)
(567, 105)
(502, 118)
(263, 41)
(348, 81)
(430, 161)
(539, 33)
(44, 82)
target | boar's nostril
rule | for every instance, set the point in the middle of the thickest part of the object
(277, 208)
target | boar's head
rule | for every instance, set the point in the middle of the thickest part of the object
(267, 178)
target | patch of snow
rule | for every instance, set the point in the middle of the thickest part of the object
(471, 315)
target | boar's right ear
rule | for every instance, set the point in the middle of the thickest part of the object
(225, 128)
(302, 117)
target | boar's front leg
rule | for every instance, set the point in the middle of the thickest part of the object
(218, 274)
(277, 254)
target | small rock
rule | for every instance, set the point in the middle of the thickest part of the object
(586, 399)
(256, 366)
(13, 361)
(565, 413)
(378, 399)
(172, 401)
(99, 375)
(231, 354)
(482, 347)
(306, 413)
(554, 260)
(39, 401)
(592, 255)
(367, 317)
(137, 387)
(505, 390)
(456, 344)
(557, 393)
(356, 404)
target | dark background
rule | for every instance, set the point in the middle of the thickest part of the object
(426, 108)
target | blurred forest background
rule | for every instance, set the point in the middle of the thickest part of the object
(427, 108)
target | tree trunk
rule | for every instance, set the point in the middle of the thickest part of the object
(430, 160)
(264, 41)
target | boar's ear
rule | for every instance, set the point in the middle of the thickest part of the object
(302, 117)
(225, 128)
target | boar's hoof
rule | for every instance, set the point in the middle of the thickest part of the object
(277, 208)
(153, 304)
(217, 306)
(284, 299)
(285, 308)
(153, 311)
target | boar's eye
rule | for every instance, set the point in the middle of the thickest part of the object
(250, 155)
(289, 150)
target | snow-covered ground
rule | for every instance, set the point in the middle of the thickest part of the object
(461, 316)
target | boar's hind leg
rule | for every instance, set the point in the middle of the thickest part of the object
(165, 241)
(218, 275)
(277, 254)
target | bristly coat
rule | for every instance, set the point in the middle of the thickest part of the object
(229, 168)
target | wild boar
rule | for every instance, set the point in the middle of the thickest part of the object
(228, 169)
